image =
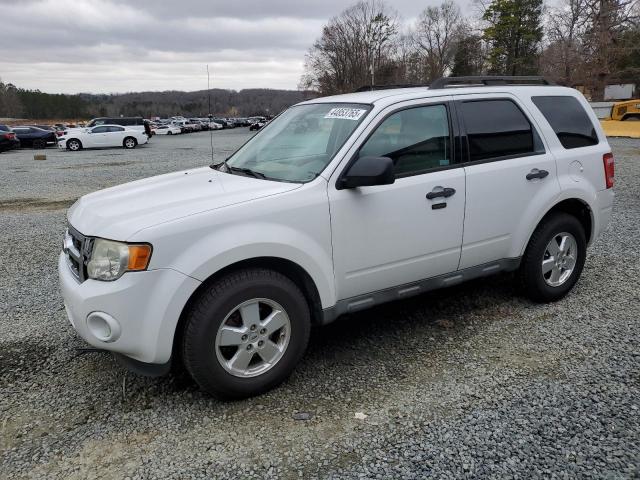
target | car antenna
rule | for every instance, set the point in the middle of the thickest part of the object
(210, 118)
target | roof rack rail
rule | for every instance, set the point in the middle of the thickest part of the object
(371, 88)
(487, 81)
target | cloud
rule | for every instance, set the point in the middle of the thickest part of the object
(74, 46)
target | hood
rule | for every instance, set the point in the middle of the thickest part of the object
(119, 212)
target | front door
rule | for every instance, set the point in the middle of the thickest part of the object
(389, 235)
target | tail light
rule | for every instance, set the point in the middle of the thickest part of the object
(9, 136)
(609, 169)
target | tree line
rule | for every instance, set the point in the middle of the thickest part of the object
(21, 103)
(575, 42)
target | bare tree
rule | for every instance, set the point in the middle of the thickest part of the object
(435, 34)
(565, 30)
(606, 21)
(354, 49)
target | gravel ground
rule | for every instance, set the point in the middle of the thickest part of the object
(471, 381)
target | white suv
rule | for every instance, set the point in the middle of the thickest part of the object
(340, 203)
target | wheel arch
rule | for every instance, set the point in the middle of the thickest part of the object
(76, 139)
(576, 207)
(286, 267)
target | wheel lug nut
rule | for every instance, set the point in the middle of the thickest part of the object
(249, 347)
(263, 331)
(260, 343)
(244, 338)
(253, 327)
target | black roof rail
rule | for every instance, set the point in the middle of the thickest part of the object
(371, 88)
(487, 81)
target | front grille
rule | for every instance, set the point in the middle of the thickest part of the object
(77, 249)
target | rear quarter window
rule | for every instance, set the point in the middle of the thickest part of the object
(568, 119)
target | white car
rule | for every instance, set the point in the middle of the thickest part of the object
(168, 130)
(100, 137)
(338, 204)
(215, 126)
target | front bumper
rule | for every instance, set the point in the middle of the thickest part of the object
(145, 306)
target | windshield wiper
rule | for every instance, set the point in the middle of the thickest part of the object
(248, 172)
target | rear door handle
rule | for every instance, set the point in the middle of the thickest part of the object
(535, 173)
(440, 192)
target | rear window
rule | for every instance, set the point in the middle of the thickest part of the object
(568, 119)
(497, 129)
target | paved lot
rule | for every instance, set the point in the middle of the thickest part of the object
(472, 381)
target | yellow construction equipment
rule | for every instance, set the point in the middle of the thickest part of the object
(624, 120)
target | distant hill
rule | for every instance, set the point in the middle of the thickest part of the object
(223, 102)
(20, 103)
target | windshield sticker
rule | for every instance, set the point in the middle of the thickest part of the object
(346, 113)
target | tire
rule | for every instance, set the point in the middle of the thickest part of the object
(208, 355)
(169, 133)
(552, 282)
(74, 145)
(129, 142)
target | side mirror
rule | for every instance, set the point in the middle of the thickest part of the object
(367, 172)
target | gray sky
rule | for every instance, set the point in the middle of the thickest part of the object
(72, 46)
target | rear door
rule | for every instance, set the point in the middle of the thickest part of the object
(510, 176)
(115, 136)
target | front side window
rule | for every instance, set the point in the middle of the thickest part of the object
(298, 144)
(568, 119)
(416, 139)
(498, 128)
(100, 130)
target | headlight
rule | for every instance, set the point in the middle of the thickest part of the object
(109, 259)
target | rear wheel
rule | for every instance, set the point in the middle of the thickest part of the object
(554, 258)
(130, 142)
(246, 333)
(169, 132)
(74, 145)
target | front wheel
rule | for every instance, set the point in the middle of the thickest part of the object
(554, 258)
(169, 133)
(74, 145)
(245, 334)
(130, 142)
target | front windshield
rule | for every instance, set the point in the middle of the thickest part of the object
(298, 144)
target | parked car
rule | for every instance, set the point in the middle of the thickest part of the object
(102, 136)
(215, 126)
(343, 203)
(257, 125)
(8, 141)
(5, 128)
(131, 123)
(168, 130)
(34, 137)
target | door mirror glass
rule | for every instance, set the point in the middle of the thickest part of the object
(368, 172)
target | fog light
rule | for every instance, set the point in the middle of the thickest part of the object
(103, 326)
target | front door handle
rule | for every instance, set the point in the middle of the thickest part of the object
(535, 173)
(440, 192)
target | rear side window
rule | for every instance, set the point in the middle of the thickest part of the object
(100, 130)
(116, 129)
(568, 119)
(498, 129)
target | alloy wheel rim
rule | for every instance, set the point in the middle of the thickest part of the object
(559, 259)
(129, 143)
(73, 145)
(253, 337)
